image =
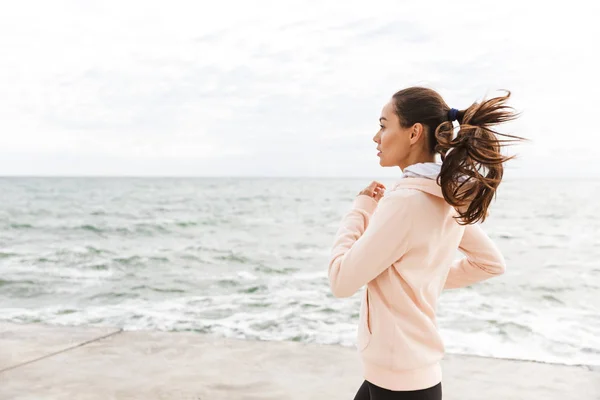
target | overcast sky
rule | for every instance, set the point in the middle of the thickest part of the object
(282, 88)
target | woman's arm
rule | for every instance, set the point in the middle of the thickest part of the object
(361, 253)
(483, 259)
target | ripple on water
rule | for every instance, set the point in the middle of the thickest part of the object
(65, 312)
(128, 260)
(113, 295)
(299, 338)
(160, 259)
(6, 282)
(21, 226)
(91, 228)
(264, 325)
(552, 299)
(186, 224)
(99, 267)
(227, 283)
(234, 258)
(159, 290)
(95, 250)
(253, 289)
(259, 305)
(7, 255)
(276, 271)
(511, 329)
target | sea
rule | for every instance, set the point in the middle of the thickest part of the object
(247, 258)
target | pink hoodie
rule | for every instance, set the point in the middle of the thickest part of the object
(403, 249)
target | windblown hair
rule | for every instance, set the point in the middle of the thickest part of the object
(472, 162)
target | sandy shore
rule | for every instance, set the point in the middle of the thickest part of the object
(45, 362)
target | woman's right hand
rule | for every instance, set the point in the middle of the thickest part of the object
(375, 190)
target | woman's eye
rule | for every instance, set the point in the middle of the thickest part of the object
(381, 126)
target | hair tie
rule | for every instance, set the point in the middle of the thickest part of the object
(452, 114)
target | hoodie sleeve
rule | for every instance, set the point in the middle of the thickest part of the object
(371, 238)
(483, 259)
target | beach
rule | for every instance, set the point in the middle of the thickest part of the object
(53, 362)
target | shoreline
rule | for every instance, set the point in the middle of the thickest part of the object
(61, 362)
(590, 367)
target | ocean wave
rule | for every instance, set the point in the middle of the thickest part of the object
(227, 283)
(97, 251)
(113, 296)
(186, 224)
(553, 299)
(234, 257)
(66, 312)
(7, 254)
(20, 226)
(254, 289)
(505, 328)
(132, 260)
(552, 289)
(91, 228)
(136, 229)
(159, 290)
(276, 271)
(7, 282)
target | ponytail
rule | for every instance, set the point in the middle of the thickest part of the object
(472, 162)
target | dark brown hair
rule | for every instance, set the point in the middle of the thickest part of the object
(472, 162)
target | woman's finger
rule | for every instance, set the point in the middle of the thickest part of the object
(374, 189)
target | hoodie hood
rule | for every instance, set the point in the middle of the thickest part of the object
(421, 176)
(429, 170)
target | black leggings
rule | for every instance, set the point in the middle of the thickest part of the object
(369, 391)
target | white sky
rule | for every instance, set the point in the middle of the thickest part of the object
(282, 88)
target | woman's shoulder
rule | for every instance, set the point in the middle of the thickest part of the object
(416, 187)
(400, 198)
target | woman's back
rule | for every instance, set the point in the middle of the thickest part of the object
(398, 338)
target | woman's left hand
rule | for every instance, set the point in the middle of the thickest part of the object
(375, 190)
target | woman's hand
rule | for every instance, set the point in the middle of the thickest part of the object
(375, 190)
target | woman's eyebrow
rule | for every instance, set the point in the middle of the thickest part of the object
(382, 118)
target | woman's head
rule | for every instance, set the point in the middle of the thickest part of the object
(406, 123)
(415, 126)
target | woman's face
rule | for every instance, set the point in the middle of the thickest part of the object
(393, 141)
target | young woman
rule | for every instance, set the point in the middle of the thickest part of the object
(402, 246)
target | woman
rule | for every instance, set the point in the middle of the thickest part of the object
(402, 246)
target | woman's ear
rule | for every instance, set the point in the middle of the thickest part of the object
(416, 131)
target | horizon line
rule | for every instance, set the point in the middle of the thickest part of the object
(272, 177)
